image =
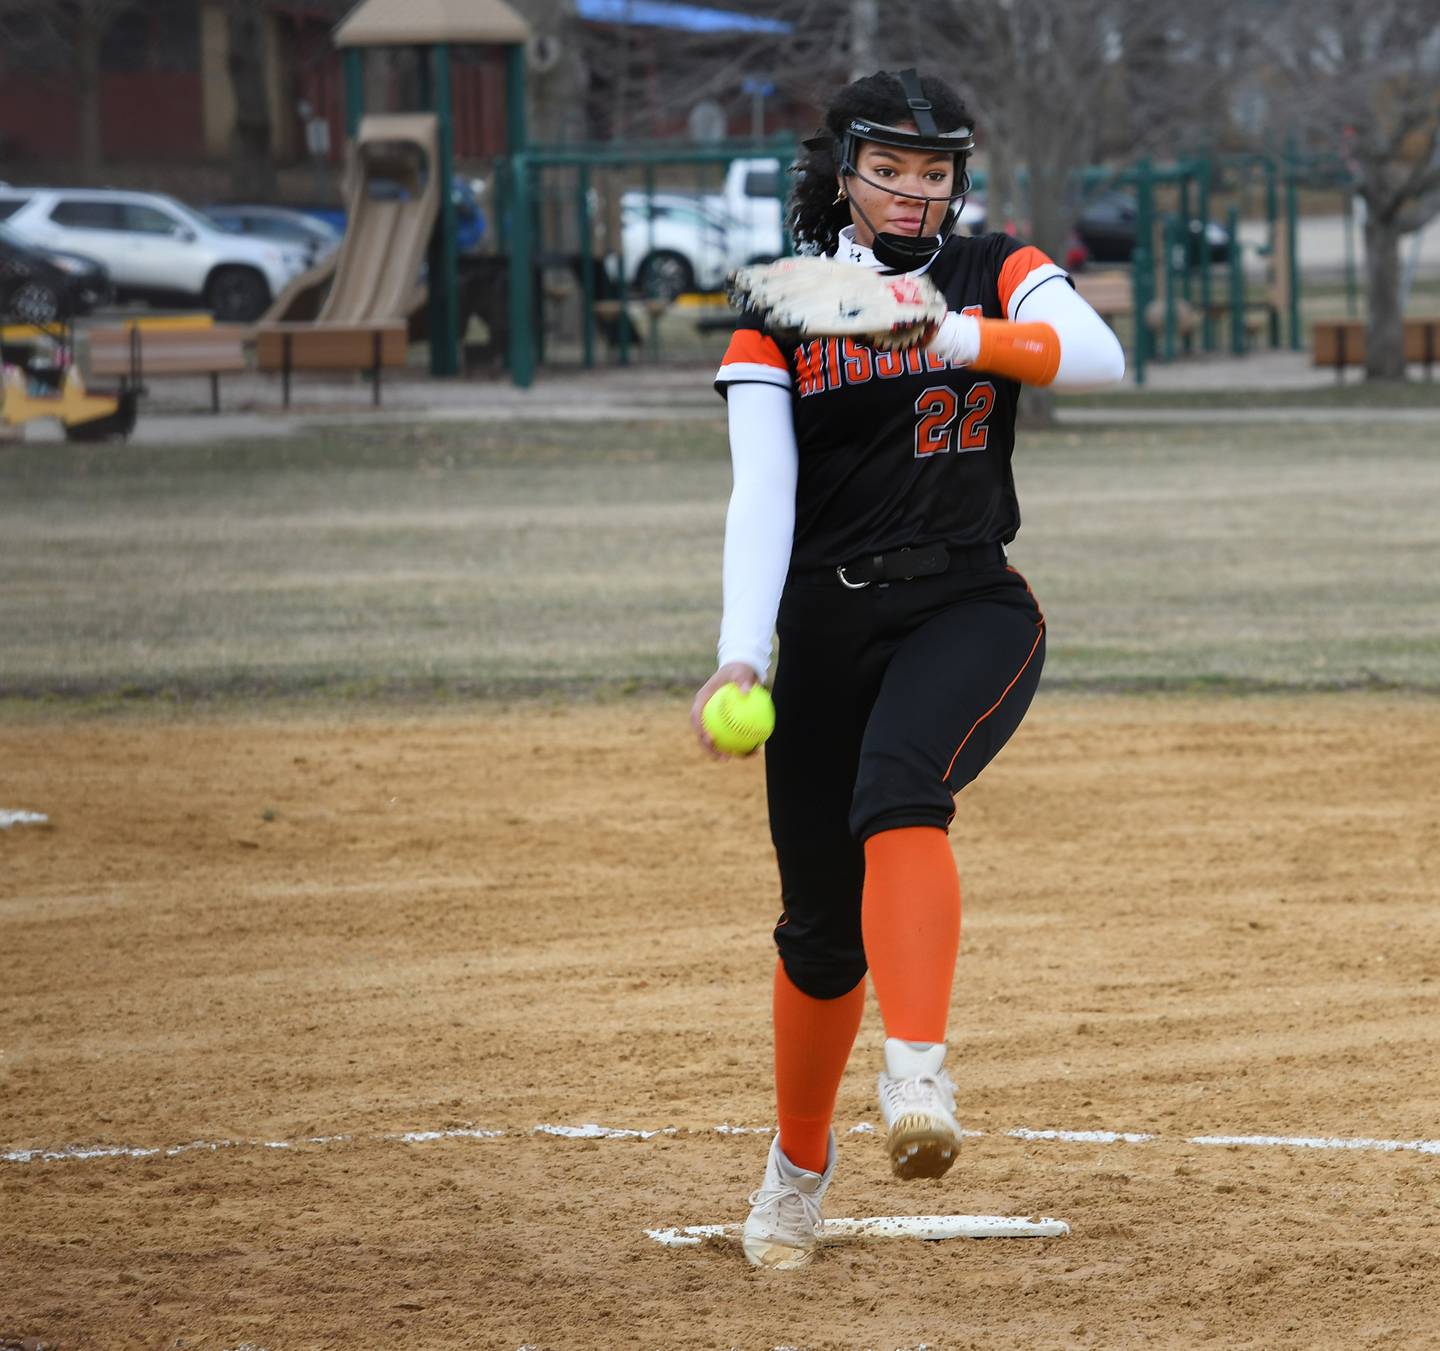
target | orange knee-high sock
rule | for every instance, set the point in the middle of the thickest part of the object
(813, 1038)
(910, 917)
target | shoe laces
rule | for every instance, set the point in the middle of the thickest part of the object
(919, 1090)
(783, 1201)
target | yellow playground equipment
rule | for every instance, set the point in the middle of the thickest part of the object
(38, 379)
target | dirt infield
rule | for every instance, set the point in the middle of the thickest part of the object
(1184, 918)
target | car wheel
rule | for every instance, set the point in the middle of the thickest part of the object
(237, 295)
(663, 275)
(33, 302)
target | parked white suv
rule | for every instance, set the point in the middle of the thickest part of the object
(155, 247)
(672, 243)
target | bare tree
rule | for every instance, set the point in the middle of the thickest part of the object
(84, 24)
(252, 161)
(78, 29)
(644, 81)
(864, 32)
(1058, 87)
(1361, 80)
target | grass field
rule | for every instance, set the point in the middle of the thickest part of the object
(510, 558)
(1354, 394)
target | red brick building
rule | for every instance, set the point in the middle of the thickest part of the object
(164, 94)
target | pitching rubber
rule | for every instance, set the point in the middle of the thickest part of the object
(932, 1228)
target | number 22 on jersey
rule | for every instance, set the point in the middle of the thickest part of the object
(937, 411)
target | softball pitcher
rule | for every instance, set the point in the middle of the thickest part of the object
(872, 503)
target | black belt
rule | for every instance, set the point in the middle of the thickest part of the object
(903, 565)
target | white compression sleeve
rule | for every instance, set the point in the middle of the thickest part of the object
(760, 522)
(1090, 354)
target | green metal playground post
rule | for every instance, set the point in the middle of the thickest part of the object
(444, 253)
(522, 318)
(1174, 236)
(1237, 284)
(587, 265)
(1182, 261)
(1292, 254)
(1207, 320)
(354, 89)
(522, 326)
(1142, 264)
(1272, 215)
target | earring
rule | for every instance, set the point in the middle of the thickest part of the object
(839, 197)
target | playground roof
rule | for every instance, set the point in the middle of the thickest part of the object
(662, 14)
(404, 23)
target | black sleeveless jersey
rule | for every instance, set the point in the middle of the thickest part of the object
(900, 449)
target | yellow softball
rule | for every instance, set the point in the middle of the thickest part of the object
(738, 721)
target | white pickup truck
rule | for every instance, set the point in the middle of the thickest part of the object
(675, 241)
(751, 203)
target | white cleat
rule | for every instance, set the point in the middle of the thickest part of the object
(917, 1101)
(782, 1230)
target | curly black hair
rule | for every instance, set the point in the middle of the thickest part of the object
(814, 216)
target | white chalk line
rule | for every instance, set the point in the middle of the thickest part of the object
(10, 818)
(593, 1131)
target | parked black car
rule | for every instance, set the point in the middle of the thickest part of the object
(44, 286)
(1106, 227)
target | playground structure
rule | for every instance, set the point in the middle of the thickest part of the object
(1171, 296)
(1174, 302)
(391, 210)
(560, 209)
(553, 204)
(401, 210)
(1175, 299)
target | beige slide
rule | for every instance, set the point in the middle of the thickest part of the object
(392, 201)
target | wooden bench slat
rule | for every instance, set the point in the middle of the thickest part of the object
(288, 348)
(189, 365)
(168, 352)
(157, 353)
(318, 347)
(1342, 342)
(153, 359)
(1422, 340)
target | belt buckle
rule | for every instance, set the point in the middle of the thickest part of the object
(846, 582)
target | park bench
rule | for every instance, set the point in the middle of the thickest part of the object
(1110, 294)
(363, 347)
(1341, 343)
(136, 352)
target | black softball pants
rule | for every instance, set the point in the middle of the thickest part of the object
(888, 700)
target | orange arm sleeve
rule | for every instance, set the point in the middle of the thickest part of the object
(1029, 353)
